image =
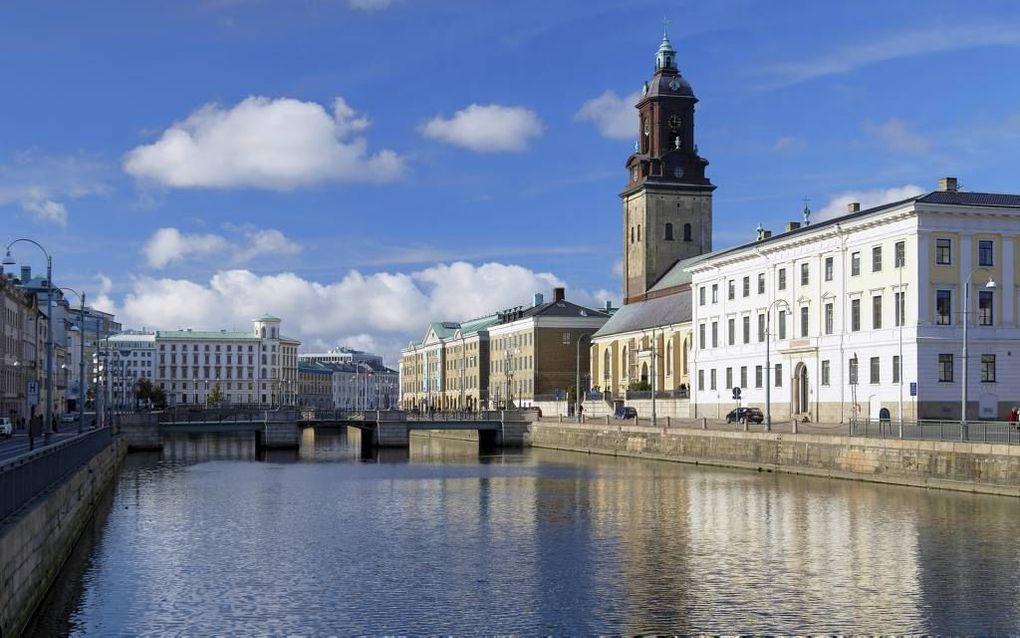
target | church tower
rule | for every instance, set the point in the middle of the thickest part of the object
(667, 205)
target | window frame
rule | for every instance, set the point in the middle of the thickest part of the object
(943, 251)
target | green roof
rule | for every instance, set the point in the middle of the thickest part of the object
(205, 334)
(267, 317)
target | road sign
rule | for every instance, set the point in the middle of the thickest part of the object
(33, 392)
(736, 393)
(913, 388)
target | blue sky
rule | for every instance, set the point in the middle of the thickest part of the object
(362, 166)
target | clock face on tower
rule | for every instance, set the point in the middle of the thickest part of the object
(675, 122)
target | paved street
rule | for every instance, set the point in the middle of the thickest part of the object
(9, 448)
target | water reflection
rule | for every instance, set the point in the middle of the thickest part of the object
(444, 539)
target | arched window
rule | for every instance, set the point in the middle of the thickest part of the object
(625, 367)
(669, 231)
(683, 355)
(687, 232)
(607, 364)
(644, 373)
(669, 357)
(262, 332)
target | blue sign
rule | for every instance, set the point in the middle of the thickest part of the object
(558, 395)
(913, 388)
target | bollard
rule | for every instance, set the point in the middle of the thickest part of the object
(607, 419)
(794, 426)
(667, 422)
(744, 421)
(704, 423)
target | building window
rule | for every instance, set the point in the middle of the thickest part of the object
(876, 259)
(782, 278)
(639, 232)
(761, 328)
(896, 368)
(900, 253)
(782, 324)
(711, 377)
(743, 376)
(701, 337)
(687, 232)
(803, 321)
(988, 368)
(631, 240)
(825, 372)
(669, 231)
(876, 312)
(855, 315)
(943, 307)
(876, 369)
(943, 252)
(729, 377)
(566, 338)
(732, 292)
(731, 330)
(804, 274)
(747, 329)
(855, 264)
(747, 286)
(828, 269)
(701, 296)
(779, 375)
(715, 334)
(986, 250)
(899, 300)
(853, 371)
(828, 318)
(757, 376)
(945, 368)
(701, 379)
(986, 314)
(715, 293)
(761, 283)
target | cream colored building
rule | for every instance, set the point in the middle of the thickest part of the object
(448, 368)
(856, 310)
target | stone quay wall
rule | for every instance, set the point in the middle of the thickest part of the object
(969, 467)
(35, 543)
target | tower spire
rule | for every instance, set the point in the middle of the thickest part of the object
(665, 58)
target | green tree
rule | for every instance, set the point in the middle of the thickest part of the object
(143, 391)
(158, 397)
(639, 386)
(216, 396)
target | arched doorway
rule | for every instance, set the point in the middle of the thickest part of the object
(644, 373)
(800, 390)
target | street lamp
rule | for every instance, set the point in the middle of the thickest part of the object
(577, 388)
(990, 284)
(9, 261)
(768, 365)
(81, 360)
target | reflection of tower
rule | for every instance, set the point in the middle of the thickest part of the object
(667, 204)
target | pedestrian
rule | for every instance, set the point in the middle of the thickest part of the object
(1014, 417)
(53, 422)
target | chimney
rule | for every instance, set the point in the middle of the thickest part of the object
(539, 300)
(853, 207)
(609, 305)
(766, 234)
(559, 294)
(792, 226)
(26, 274)
(947, 184)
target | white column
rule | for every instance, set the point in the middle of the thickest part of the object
(1007, 291)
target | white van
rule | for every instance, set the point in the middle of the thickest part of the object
(6, 429)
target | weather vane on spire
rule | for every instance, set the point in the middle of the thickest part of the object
(665, 23)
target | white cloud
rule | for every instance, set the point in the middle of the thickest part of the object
(276, 144)
(37, 183)
(490, 128)
(895, 135)
(369, 5)
(837, 205)
(168, 245)
(383, 310)
(788, 144)
(615, 117)
(866, 51)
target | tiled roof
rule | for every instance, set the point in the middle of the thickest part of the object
(963, 198)
(563, 309)
(643, 315)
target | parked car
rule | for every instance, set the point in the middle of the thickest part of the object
(753, 415)
(69, 417)
(625, 412)
(6, 428)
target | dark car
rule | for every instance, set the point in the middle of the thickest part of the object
(753, 415)
(625, 412)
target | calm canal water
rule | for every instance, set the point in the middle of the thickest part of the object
(209, 540)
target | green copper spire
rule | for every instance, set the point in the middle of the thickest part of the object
(665, 58)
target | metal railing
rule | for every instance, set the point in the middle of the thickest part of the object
(26, 476)
(973, 431)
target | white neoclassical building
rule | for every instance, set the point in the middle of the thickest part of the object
(864, 313)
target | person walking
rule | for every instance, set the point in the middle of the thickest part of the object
(1014, 418)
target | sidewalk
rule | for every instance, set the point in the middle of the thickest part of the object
(668, 423)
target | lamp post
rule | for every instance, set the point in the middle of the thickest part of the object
(81, 360)
(768, 363)
(990, 284)
(9, 261)
(577, 388)
(854, 377)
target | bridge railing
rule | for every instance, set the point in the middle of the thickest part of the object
(225, 415)
(26, 476)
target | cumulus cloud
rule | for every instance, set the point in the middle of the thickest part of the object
(369, 5)
(168, 245)
(867, 199)
(489, 128)
(40, 184)
(895, 135)
(383, 310)
(276, 144)
(614, 116)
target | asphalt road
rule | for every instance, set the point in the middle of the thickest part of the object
(18, 444)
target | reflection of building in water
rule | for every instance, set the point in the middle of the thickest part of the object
(209, 447)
